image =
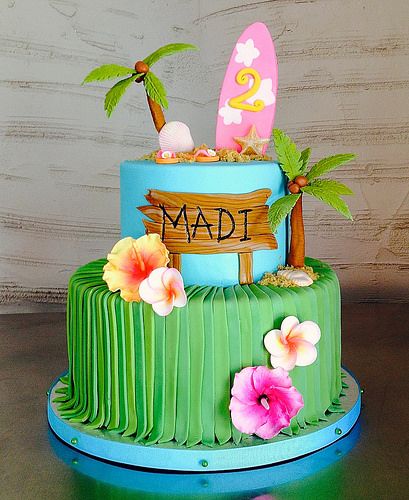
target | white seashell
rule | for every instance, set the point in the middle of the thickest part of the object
(301, 278)
(175, 136)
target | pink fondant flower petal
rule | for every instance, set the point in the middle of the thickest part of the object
(273, 342)
(264, 378)
(163, 307)
(286, 362)
(288, 324)
(247, 418)
(152, 294)
(179, 297)
(307, 330)
(277, 422)
(243, 387)
(155, 279)
(306, 353)
(172, 279)
(289, 403)
(280, 378)
(290, 398)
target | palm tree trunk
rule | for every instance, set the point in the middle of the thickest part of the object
(296, 255)
(157, 114)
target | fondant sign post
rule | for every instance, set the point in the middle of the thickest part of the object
(195, 223)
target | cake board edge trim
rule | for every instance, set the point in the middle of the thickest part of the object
(108, 446)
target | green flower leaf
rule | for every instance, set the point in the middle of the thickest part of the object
(305, 158)
(332, 186)
(330, 198)
(167, 50)
(327, 164)
(279, 210)
(335, 409)
(115, 94)
(288, 155)
(107, 72)
(155, 89)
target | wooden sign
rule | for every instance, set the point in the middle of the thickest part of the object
(248, 95)
(196, 223)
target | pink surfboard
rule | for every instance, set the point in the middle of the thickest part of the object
(248, 95)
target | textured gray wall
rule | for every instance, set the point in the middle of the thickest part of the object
(343, 86)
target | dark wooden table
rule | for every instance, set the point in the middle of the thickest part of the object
(375, 348)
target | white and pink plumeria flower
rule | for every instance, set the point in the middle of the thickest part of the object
(293, 344)
(164, 289)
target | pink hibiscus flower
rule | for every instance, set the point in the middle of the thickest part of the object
(164, 290)
(293, 344)
(263, 401)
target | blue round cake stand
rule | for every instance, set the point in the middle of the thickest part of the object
(252, 452)
(163, 484)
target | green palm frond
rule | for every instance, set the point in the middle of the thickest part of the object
(115, 94)
(153, 86)
(327, 164)
(167, 50)
(108, 72)
(288, 155)
(279, 210)
(155, 89)
(329, 197)
(332, 186)
(305, 158)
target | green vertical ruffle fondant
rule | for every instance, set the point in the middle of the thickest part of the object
(160, 379)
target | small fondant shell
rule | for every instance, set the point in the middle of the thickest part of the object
(165, 154)
(175, 136)
(206, 155)
(300, 278)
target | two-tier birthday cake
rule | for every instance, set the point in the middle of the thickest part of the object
(206, 339)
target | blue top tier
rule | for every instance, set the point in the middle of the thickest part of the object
(138, 177)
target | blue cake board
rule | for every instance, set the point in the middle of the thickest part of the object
(253, 452)
(164, 484)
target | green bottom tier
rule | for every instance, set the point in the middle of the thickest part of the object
(161, 379)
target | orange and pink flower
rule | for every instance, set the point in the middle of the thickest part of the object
(164, 290)
(131, 261)
(293, 344)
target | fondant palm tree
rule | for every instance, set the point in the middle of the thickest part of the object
(141, 73)
(294, 164)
